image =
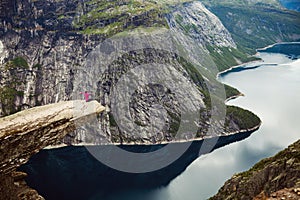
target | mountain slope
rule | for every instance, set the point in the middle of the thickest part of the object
(267, 177)
(256, 24)
(46, 44)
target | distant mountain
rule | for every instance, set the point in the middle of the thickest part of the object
(256, 24)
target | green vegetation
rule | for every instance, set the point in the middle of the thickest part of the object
(186, 27)
(258, 24)
(225, 57)
(7, 99)
(288, 49)
(175, 123)
(37, 66)
(11, 91)
(112, 120)
(111, 17)
(16, 63)
(281, 157)
(273, 3)
(243, 118)
(194, 74)
(231, 92)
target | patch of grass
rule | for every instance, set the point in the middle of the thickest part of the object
(16, 63)
(8, 96)
(194, 74)
(110, 17)
(225, 57)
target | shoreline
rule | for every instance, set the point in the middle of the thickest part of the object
(252, 129)
(255, 55)
(272, 45)
(234, 97)
(239, 65)
(259, 61)
(78, 158)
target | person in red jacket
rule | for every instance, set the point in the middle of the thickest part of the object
(86, 95)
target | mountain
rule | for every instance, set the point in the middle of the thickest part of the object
(152, 64)
(46, 48)
(257, 24)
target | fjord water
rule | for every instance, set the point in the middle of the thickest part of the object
(272, 91)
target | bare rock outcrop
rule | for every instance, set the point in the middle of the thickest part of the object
(26, 133)
(268, 179)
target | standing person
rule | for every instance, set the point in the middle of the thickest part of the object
(86, 95)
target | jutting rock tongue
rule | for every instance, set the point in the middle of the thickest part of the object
(25, 133)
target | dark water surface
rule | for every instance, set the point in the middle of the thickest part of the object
(272, 90)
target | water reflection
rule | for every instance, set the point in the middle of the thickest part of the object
(273, 93)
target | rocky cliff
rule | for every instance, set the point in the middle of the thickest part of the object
(272, 178)
(45, 47)
(26, 133)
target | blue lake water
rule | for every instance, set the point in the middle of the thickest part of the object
(272, 91)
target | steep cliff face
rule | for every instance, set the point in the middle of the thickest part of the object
(272, 178)
(202, 25)
(44, 51)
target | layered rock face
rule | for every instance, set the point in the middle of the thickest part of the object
(272, 178)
